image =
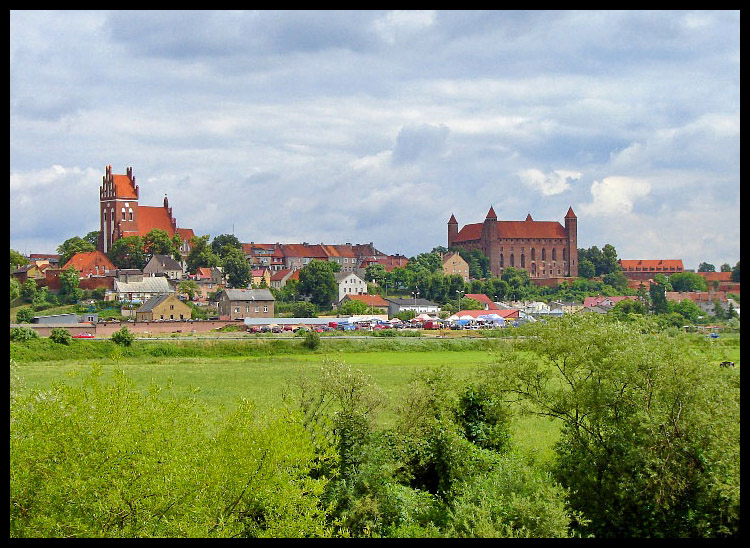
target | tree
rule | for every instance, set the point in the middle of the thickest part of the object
(616, 279)
(375, 273)
(316, 279)
(128, 252)
(73, 245)
(92, 237)
(17, 260)
(658, 294)
(158, 242)
(688, 281)
(586, 268)
(725, 268)
(15, 288)
(706, 267)
(69, 290)
(736, 273)
(24, 315)
(60, 335)
(353, 308)
(188, 287)
(201, 254)
(639, 451)
(236, 268)
(687, 309)
(224, 243)
(123, 337)
(28, 290)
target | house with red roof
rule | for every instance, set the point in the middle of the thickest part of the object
(645, 269)
(279, 278)
(720, 281)
(120, 214)
(488, 303)
(377, 303)
(545, 249)
(606, 302)
(90, 263)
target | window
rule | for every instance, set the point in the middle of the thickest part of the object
(130, 214)
(523, 260)
(236, 309)
(544, 254)
(123, 213)
(247, 310)
(554, 254)
(257, 309)
(265, 308)
(171, 307)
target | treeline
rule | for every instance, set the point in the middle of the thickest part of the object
(649, 447)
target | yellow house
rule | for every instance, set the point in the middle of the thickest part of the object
(163, 307)
(453, 263)
(260, 274)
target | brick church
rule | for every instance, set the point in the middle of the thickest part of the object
(121, 215)
(545, 249)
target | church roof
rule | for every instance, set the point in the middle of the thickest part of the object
(150, 217)
(514, 229)
(124, 187)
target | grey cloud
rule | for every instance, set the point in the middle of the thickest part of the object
(417, 142)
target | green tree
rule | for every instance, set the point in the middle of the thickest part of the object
(15, 288)
(236, 268)
(73, 245)
(158, 242)
(317, 280)
(375, 273)
(17, 260)
(69, 290)
(128, 253)
(92, 237)
(639, 452)
(353, 308)
(60, 335)
(224, 243)
(586, 268)
(188, 287)
(25, 315)
(725, 268)
(736, 273)
(616, 279)
(706, 267)
(688, 281)
(687, 309)
(123, 337)
(28, 290)
(201, 254)
(657, 294)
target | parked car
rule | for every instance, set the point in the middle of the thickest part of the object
(276, 329)
(83, 336)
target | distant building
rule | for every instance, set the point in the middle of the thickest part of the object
(90, 263)
(163, 307)
(376, 303)
(396, 306)
(350, 284)
(646, 269)
(163, 265)
(545, 249)
(453, 263)
(237, 304)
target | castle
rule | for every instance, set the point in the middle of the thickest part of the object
(121, 215)
(547, 250)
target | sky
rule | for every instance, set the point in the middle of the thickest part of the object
(376, 126)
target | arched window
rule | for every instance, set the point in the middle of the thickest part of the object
(523, 260)
(564, 255)
(554, 254)
(512, 260)
(544, 254)
(533, 269)
(533, 254)
(130, 214)
(123, 213)
(502, 261)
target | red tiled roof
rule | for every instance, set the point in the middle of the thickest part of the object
(645, 265)
(716, 276)
(338, 250)
(150, 217)
(185, 233)
(279, 275)
(124, 187)
(696, 296)
(369, 300)
(594, 301)
(203, 273)
(514, 229)
(484, 299)
(86, 262)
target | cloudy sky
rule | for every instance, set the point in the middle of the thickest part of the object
(376, 126)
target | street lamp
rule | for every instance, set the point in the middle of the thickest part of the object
(459, 292)
(415, 294)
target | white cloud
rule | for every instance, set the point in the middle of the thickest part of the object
(615, 195)
(550, 183)
(397, 23)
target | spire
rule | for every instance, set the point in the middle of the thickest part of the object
(570, 214)
(491, 216)
(528, 217)
(452, 220)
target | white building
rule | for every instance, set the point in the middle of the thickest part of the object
(350, 284)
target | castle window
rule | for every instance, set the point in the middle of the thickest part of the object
(123, 213)
(554, 254)
(523, 260)
(502, 265)
(512, 260)
(564, 254)
(130, 214)
(544, 254)
(533, 254)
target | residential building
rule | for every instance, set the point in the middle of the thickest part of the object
(236, 304)
(488, 303)
(343, 255)
(545, 249)
(261, 277)
(137, 289)
(720, 281)
(706, 300)
(376, 303)
(453, 263)
(280, 277)
(350, 284)
(163, 265)
(163, 307)
(90, 263)
(396, 306)
(607, 302)
(646, 269)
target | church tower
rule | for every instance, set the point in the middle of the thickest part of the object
(452, 230)
(571, 230)
(118, 207)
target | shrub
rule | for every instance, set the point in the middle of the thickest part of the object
(60, 335)
(312, 340)
(24, 315)
(23, 334)
(123, 337)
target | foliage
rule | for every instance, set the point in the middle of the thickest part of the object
(317, 280)
(158, 242)
(467, 303)
(60, 335)
(706, 267)
(650, 440)
(688, 281)
(604, 261)
(17, 260)
(69, 290)
(28, 290)
(188, 287)
(15, 288)
(224, 243)
(24, 315)
(586, 268)
(128, 252)
(21, 334)
(353, 308)
(123, 337)
(74, 245)
(236, 268)
(736, 273)
(657, 293)
(312, 340)
(201, 254)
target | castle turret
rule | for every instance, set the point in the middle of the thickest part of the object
(452, 230)
(571, 229)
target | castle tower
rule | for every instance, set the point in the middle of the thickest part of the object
(490, 244)
(452, 230)
(571, 230)
(118, 207)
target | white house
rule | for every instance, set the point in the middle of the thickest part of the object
(350, 284)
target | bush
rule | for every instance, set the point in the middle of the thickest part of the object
(60, 335)
(123, 337)
(25, 315)
(312, 340)
(23, 334)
